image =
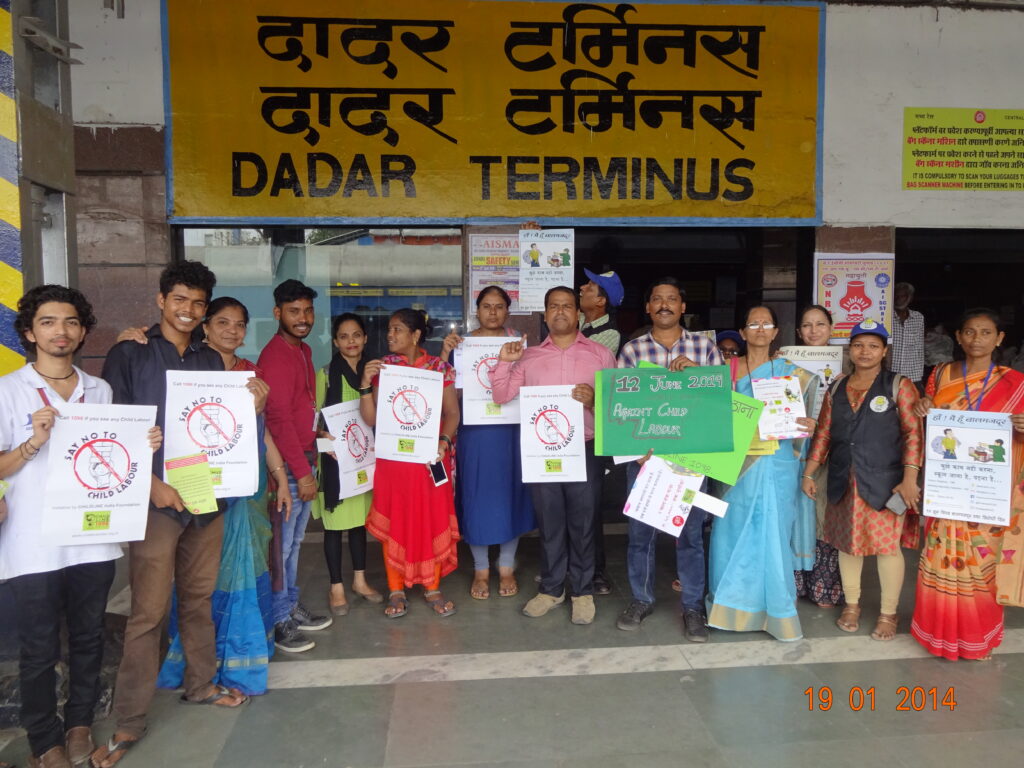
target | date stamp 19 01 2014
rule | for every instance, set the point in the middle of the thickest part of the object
(907, 699)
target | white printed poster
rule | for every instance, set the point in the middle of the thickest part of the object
(854, 287)
(479, 357)
(408, 413)
(353, 448)
(783, 405)
(551, 437)
(968, 466)
(825, 362)
(213, 412)
(546, 259)
(662, 496)
(100, 468)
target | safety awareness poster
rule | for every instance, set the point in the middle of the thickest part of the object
(213, 412)
(408, 413)
(551, 437)
(662, 496)
(478, 357)
(493, 260)
(99, 471)
(854, 287)
(353, 448)
(783, 404)
(824, 362)
(545, 262)
(967, 468)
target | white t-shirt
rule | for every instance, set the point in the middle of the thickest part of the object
(22, 547)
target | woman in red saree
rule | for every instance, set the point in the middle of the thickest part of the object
(413, 518)
(968, 571)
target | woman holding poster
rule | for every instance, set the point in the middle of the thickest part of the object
(493, 504)
(969, 571)
(751, 585)
(873, 444)
(241, 602)
(413, 517)
(820, 582)
(339, 382)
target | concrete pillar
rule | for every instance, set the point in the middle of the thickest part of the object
(11, 280)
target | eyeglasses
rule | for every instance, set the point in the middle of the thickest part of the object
(756, 326)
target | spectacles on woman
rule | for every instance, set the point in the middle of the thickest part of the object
(756, 326)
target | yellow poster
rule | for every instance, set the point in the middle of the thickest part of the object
(450, 109)
(963, 148)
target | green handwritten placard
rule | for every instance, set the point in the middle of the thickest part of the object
(651, 408)
(726, 466)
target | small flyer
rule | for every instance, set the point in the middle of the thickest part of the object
(662, 496)
(968, 466)
(408, 413)
(825, 362)
(193, 478)
(546, 260)
(478, 358)
(783, 405)
(353, 448)
(98, 474)
(213, 412)
(551, 435)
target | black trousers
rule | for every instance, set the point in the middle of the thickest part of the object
(565, 522)
(79, 594)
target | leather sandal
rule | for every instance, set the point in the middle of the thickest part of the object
(885, 627)
(849, 619)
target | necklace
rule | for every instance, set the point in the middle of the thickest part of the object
(53, 378)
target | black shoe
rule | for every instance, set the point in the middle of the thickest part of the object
(287, 638)
(601, 584)
(308, 621)
(695, 627)
(633, 616)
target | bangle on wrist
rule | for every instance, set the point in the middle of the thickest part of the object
(807, 477)
(912, 466)
(364, 391)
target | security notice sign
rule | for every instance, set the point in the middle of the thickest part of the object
(99, 474)
(408, 413)
(213, 412)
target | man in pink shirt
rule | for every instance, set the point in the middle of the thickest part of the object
(565, 511)
(287, 365)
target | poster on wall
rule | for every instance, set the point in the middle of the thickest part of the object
(489, 110)
(854, 287)
(98, 474)
(963, 148)
(493, 260)
(968, 466)
(545, 261)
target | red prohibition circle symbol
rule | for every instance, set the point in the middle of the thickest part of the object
(552, 427)
(355, 440)
(409, 407)
(483, 371)
(210, 425)
(101, 464)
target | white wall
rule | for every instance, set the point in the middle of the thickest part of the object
(120, 81)
(880, 60)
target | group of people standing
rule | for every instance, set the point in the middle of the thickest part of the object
(802, 516)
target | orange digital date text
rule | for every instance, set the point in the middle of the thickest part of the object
(908, 698)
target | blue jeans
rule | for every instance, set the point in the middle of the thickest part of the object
(293, 531)
(689, 556)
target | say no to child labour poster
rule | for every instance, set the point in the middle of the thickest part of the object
(551, 439)
(967, 469)
(99, 474)
(408, 413)
(353, 448)
(478, 358)
(213, 412)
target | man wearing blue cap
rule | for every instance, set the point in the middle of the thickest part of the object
(596, 298)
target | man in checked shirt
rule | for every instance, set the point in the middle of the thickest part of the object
(670, 345)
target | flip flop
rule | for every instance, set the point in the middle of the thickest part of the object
(114, 746)
(508, 586)
(220, 693)
(438, 603)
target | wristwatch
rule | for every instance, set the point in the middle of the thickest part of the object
(365, 391)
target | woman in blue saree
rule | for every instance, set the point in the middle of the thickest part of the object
(242, 613)
(750, 584)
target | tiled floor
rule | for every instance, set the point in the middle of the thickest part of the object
(489, 687)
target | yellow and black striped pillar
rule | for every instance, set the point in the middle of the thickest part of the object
(11, 283)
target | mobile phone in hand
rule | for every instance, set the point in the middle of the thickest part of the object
(438, 473)
(896, 504)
